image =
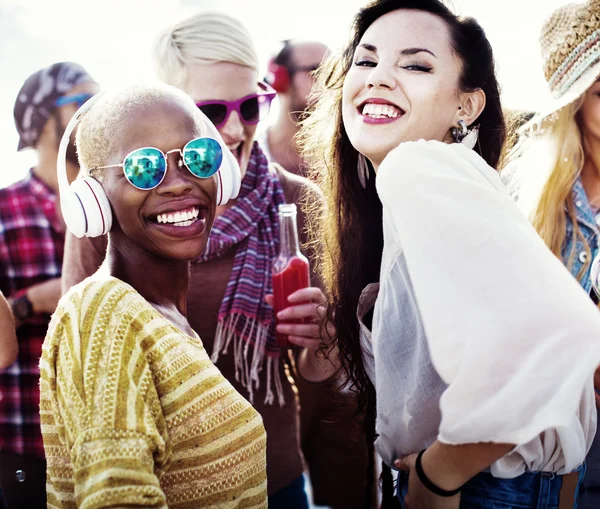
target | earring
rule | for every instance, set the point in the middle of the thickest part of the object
(470, 140)
(458, 133)
(467, 137)
(362, 168)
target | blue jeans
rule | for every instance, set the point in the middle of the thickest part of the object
(532, 490)
(292, 496)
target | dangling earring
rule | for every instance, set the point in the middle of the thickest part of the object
(362, 168)
(458, 133)
(467, 137)
(470, 140)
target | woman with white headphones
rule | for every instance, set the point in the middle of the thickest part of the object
(133, 411)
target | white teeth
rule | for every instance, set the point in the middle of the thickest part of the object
(179, 218)
(183, 223)
(380, 110)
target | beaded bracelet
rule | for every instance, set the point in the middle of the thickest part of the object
(429, 484)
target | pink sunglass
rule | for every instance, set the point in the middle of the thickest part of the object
(252, 109)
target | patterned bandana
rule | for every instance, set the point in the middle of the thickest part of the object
(36, 100)
(252, 227)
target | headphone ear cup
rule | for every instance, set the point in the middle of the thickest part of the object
(229, 178)
(93, 217)
(73, 214)
(278, 77)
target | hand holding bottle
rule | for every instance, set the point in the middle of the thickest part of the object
(306, 311)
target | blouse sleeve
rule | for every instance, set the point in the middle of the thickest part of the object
(102, 405)
(509, 330)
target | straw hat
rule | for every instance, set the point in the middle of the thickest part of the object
(570, 43)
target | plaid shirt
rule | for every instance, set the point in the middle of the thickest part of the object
(31, 252)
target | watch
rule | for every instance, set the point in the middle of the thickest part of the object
(22, 308)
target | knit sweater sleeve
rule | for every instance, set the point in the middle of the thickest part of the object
(99, 405)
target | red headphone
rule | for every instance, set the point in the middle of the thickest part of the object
(278, 74)
(278, 77)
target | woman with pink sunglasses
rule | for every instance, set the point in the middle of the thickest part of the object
(212, 58)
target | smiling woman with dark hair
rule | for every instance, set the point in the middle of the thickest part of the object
(480, 345)
(133, 411)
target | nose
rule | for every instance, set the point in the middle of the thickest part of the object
(233, 130)
(381, 77)
(178, 179)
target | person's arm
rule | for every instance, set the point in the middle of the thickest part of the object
(448, 467)
(38, 298)
(98, 400)
(8, 338)
(82, 258)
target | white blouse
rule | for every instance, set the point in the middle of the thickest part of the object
(480, 334)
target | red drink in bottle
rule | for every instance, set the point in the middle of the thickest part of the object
(290, 269)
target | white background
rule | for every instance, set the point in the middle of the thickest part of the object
(112, 39)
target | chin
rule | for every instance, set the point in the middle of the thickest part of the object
(376, 154)
(187, 253)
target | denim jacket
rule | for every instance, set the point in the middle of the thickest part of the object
(589, 229)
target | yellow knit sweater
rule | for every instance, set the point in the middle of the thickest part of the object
(134, 413)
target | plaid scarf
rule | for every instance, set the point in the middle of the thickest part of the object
(252, 226)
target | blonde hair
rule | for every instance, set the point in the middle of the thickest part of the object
(105, 122)
(542, 170)
(205, 37)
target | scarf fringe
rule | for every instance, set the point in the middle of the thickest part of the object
(247, 372)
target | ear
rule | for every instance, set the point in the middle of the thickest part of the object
(471, 106)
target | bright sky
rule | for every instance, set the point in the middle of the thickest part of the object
(112, 39)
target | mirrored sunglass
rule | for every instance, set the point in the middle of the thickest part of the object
(145, 168)
(79, 99)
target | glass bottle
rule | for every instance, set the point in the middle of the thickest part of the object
(290, 268)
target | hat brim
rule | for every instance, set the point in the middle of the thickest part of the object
(547, 114)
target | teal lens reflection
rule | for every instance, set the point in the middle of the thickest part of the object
(145, 168)
(203, 157)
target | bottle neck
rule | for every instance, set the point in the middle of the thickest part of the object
(289, 244)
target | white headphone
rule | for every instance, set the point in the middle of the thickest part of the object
(85, 207)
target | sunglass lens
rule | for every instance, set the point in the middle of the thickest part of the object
(216, 113)
(251, 110)
(145, 168)
(203, 157)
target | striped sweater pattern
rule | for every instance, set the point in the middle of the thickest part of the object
(134, 413)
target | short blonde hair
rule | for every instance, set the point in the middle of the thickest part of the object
(105, 121)
(205, 37)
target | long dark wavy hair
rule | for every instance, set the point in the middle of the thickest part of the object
(349, 230)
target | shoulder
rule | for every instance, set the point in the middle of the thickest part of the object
(296, 188)
(11, 196)
(17, 187)
(99, 298)
(96, 316)
(418, 164)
